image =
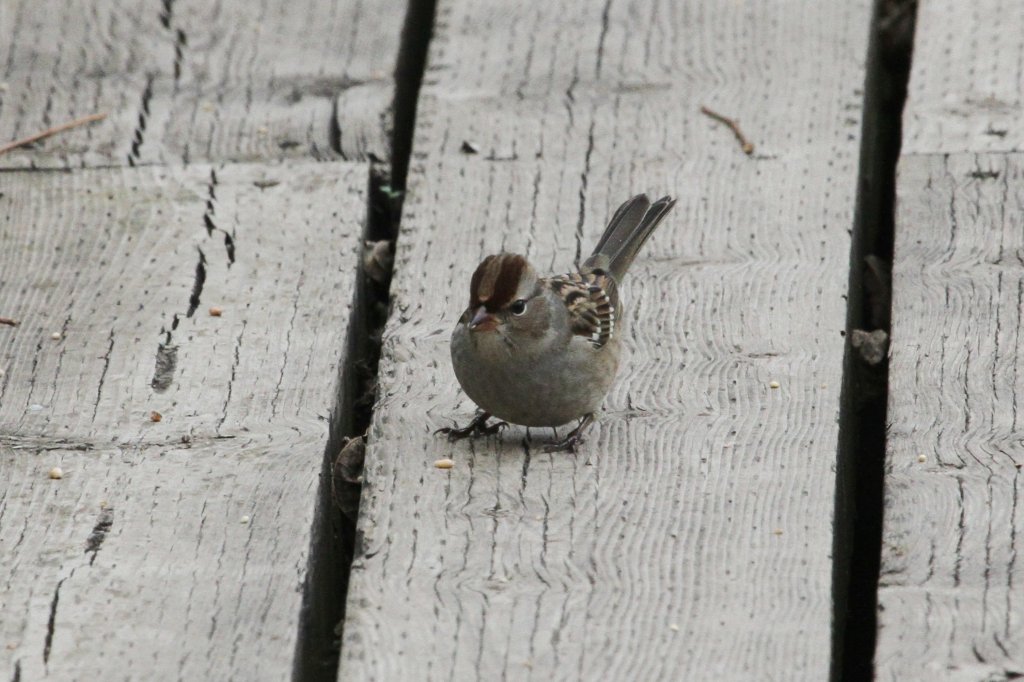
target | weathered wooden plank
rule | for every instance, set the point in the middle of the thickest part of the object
(177, 546)
(949, 598)
(190, 80)
(692, 536)
(601, 80)
(966, 91)
(950, 595)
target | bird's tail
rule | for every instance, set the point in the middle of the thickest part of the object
(626, 233)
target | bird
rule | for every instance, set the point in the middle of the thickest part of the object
(543, 351)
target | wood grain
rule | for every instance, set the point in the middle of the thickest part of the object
(966, 89)
(175, 548)
(950, 596)
(593, 80)
(691, 537)
(186, 81)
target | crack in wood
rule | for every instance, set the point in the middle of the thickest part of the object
(51, 622)
(605, 20)
(103, 374)
(197, 286)
(167, 351)
(180, 42)
(583, 195)
(211, 204)
(166, 364)
(140, 127)
(166, 12)
(231, 379)
(99, 533)
(210, 224)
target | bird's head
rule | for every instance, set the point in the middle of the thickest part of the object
(505, 294)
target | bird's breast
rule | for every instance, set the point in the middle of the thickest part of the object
(550, 386)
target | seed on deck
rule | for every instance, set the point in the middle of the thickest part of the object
(444, 463)
(773, 384)
(56, 336)
(155, 416)
(56, 473)
(922, 458)
(216, 312)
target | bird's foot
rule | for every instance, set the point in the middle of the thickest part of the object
(474, 429)
(575, 437)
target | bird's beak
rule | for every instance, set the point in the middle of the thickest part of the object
(482, 320)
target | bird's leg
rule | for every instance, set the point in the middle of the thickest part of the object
(477, 427)
(575, 437)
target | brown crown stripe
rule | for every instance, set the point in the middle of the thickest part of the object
(478, 276)
(496, 281)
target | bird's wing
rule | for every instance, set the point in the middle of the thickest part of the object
(592, 304)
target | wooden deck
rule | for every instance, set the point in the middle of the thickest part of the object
(951, 596)
(701, 509)
(187, 277)
(184, 548)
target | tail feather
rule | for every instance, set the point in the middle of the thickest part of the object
(626, 233)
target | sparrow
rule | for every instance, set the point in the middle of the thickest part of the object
(543, 351)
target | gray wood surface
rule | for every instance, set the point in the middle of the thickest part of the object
(950, 594)
(192, 80)
(966, 89)
(691, 538)
(174, 549)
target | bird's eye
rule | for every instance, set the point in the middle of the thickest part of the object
(517, 307)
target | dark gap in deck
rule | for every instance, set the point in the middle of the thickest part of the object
(862, 427)
(323, 601)
(334, 535)
(412, 63)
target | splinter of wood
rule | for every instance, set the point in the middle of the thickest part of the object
(8, 321)
(746, 145)
(52, 131)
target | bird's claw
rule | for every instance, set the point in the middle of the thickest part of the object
(476, 428)
(575, 437)
(566, 444)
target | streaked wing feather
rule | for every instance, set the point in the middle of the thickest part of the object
(592, 303)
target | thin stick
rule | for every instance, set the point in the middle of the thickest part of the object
(52, 131)
(746, 145)
(8, 321)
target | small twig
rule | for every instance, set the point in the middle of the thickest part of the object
(8, 321)
(52, 131)
(746, 145)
